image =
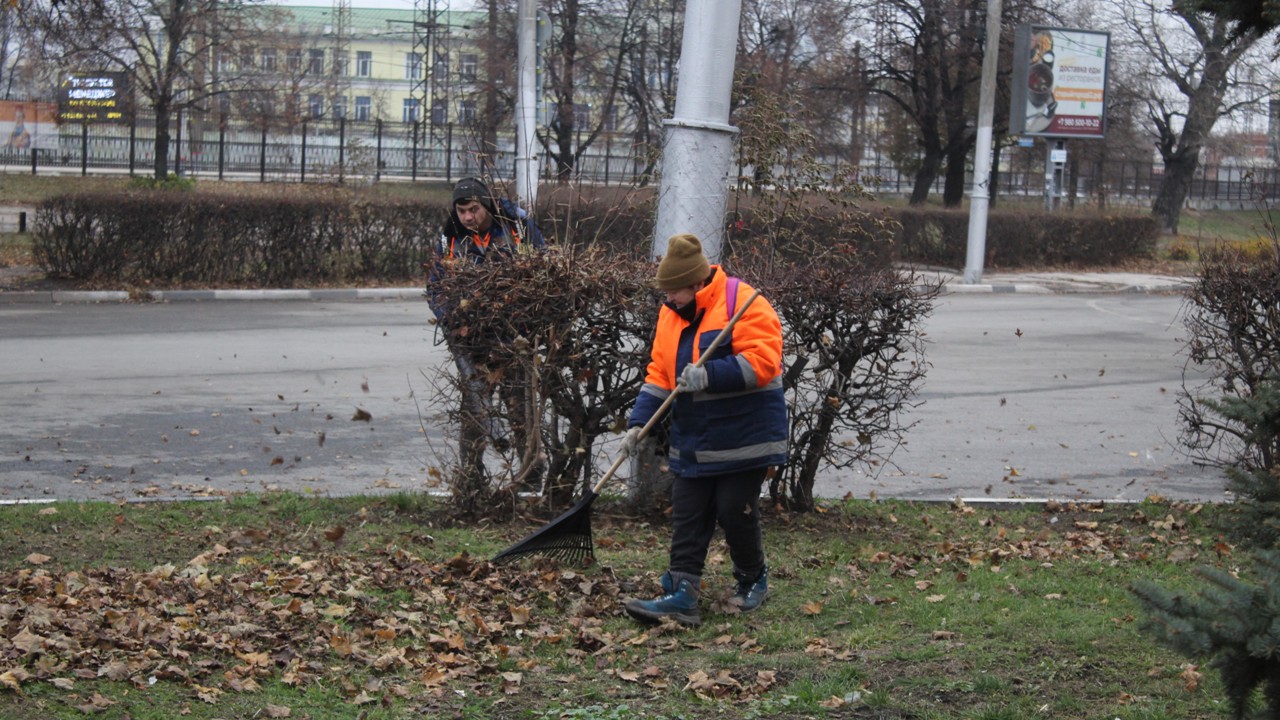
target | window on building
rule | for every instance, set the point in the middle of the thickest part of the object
(293, 60)
(315, 61)
(439, 112)
(268, 59)
(341, 65)
(581, 114)
(315, 106)
(610, 119)
(364, 107)
(224, 105)
(339, 106)
(364, 63)
(412, 66)
(440, 69)
(224, 61)
(246, 57)
(467, 68)
(410, 112)
(660, 75)
(467, 112)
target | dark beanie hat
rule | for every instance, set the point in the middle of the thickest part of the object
(473, 189)
(683, 265)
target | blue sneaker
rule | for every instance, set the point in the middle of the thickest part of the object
(751, 592)
(678, 602)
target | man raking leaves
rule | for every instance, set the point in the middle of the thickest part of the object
(728, 426)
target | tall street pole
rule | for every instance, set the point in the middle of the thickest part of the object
(981, 196)
(697, 152)
(527, 161)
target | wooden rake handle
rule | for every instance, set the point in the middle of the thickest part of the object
(666, 404)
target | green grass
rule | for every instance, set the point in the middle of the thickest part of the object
(15, 249)
(384, 608)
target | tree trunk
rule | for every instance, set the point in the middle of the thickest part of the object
(565, 126)
(1178, 174)
(953, 185)
(994, 186)
(925, 176)
(161, 165)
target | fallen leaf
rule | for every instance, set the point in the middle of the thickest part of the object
(38, 559)
(27, 641)
(362, 415)
(1191, 677)
(811, 608)
(278, 711)
(12, 679)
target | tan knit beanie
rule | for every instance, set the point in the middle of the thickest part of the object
(683, 265)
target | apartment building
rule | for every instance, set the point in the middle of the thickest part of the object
(361, 64)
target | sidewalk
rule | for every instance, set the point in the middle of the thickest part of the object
(1046, 283)
(952, 281)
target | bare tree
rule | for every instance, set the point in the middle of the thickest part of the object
(797, 55)
(924, 61)
(590, 44)
(648, 84)
(1188, 67)
(164, 45)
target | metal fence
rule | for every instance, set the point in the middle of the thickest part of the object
(373, 151)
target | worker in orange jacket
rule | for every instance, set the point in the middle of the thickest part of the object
(728, 426)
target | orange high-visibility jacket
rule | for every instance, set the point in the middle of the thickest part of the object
(739, 421)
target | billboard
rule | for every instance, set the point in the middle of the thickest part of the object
(26, 125)
(90, 97)
(1059, 86)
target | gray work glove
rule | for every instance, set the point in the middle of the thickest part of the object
(631, 441)
(693, 378)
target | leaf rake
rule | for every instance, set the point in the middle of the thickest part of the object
(568, 537)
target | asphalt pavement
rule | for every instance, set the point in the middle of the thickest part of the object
(951, 281)
(1006, 417)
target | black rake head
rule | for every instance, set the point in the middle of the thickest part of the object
(567, 538)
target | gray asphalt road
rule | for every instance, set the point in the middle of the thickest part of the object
(122, 401)
(1036, 396)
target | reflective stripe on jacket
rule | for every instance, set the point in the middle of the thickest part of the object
(740, 420)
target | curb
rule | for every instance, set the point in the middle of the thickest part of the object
(32, 297)
(954, 289)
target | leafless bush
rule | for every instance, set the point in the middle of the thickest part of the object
(854, 333)
(568, 329)
(853, 340)
(1233, 316)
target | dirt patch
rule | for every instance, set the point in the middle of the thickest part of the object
(31, 277)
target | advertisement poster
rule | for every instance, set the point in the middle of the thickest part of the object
(1060, 82)
(94, 97)
(26, 125)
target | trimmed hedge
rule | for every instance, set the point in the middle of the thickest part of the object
(326, 237)
(1025, 239)
(181, 238)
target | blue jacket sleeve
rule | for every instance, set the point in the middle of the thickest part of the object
(532, 233)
